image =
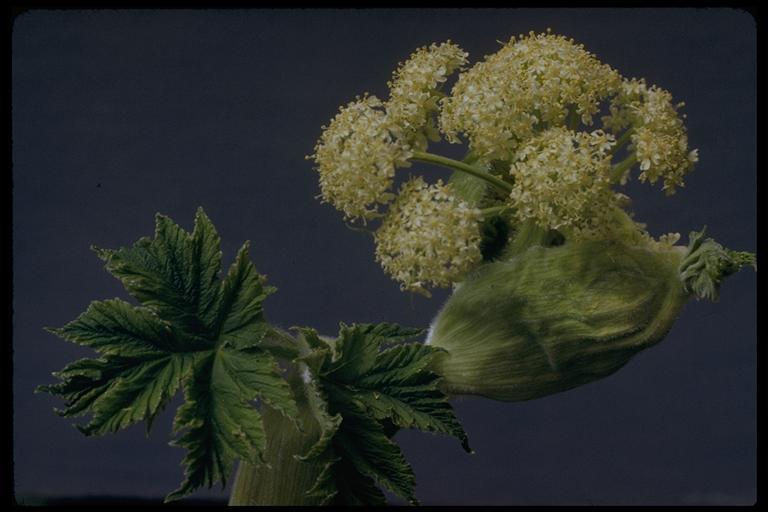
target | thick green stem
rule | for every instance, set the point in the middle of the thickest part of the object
(493, 210)
(285, 480)
(620, 169)
(528, 234)
(625, 137)
(457, 165)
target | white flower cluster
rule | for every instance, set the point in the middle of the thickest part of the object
(359, 151)
(414, 91)
(356, 159)
(562, 180)
(429, 237)
(523, 108)
(659, 138)
(502, 101)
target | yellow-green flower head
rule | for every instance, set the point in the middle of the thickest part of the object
(501, 101)
(429, 237)
(562, 180)
(659, 138)
(414, 91)
(356, 159)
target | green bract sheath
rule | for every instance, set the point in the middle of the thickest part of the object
(553, 318)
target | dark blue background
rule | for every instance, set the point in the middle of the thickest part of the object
(120, 114)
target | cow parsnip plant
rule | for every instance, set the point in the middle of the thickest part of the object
(554, 283)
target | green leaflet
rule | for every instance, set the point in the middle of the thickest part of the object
(375, 392)
(402, 389)
(356, 348)
(194, 330)
(368, 452)
(174, 273)
(325, 485)
(142, 368)
(707, 263)
(221, 425)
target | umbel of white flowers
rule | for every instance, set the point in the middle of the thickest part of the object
(528, 115)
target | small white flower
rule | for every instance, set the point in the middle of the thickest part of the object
(500, 102)
(414, 90)
(659, 140)
(562, 180)
(429, 237)
(356, 159)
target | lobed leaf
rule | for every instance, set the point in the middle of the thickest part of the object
(373, 393)
(175, 273)
(195, 331)
(356, 348)
(364, 446)
(400, 388)
(221, 425)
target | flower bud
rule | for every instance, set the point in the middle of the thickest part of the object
(553, 318)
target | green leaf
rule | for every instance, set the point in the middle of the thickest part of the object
(240, 318)
(194, 330)
(325, 486)
(174, 273)
(359, 456)
(355, 350)
(143, 368)
(114, 327)
(707, 263)
(375, 392)
(354, 487)
(368, 451)
(400, 388)
(221, 425)
(104, 387)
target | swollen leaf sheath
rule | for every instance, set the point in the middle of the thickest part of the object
(553, 318)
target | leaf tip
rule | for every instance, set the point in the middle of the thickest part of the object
(203, 222)
(82, 429)
(200, 212)
(173, 496)
(54, 330)
(160, 224)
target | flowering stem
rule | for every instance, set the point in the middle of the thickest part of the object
(493, 210)
(573, 119)
(528, 234)
(456, 165)
(622, 140)
(617, 173)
